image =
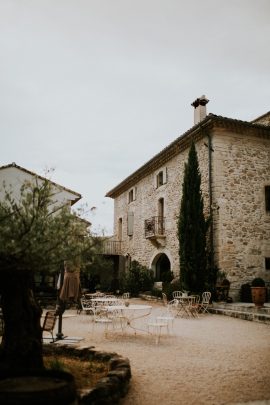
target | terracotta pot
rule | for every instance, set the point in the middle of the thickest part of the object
(258, 296)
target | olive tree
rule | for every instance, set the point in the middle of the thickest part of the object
(36, 235)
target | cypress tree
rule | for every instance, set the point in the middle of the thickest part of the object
(192, 228)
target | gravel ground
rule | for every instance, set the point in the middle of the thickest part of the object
(211, 360)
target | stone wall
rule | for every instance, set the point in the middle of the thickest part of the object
(145, 206)
(241, 170)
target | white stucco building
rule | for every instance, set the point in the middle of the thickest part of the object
(12, 177)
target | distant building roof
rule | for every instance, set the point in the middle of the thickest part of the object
(76, 195)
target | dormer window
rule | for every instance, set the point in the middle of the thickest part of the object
(132, 195)
(161, 177)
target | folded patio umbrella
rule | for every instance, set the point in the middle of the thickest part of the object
(71, 288)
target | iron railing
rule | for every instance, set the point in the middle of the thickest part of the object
(154, 226)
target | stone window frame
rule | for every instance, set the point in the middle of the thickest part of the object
(161, 177)
(267, 198)
(132, 194)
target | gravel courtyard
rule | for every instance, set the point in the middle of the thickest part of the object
(211, 360)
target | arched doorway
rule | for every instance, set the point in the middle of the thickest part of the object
(161, 266)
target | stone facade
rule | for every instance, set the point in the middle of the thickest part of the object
(237, 154)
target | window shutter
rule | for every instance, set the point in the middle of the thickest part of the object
(130, 223)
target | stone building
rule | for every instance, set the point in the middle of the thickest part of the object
(234, 160)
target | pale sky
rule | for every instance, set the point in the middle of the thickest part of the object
(95, 88)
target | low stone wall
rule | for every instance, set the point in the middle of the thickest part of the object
(149, 298)
(110, 389)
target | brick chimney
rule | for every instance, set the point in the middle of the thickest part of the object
(199, 109)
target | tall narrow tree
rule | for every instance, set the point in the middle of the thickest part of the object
(192, 228)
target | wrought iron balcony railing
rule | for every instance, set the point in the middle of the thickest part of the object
(111, 247)
(154, 226)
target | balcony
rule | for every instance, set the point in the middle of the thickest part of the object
(111, 247)
(154, 229)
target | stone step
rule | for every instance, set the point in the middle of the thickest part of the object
(243, 307)
(248, 314)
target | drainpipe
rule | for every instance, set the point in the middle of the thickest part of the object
(210, 150)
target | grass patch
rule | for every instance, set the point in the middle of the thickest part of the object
(86, 372)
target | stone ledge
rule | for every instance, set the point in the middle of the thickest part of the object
(150, 298)
(248, 316)
(110, 389)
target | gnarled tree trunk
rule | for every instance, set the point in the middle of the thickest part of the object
(21, 346)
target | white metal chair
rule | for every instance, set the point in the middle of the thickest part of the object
(87, 306)
(177, 294)
(102, 317)
(204, 304)
(156, 326)
(169, 314)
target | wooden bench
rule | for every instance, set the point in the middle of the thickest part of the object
(49, 323)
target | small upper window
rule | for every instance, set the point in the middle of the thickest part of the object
(267, 263)
(132, 195)
(161, 177)
(267, 198)
(160, 180)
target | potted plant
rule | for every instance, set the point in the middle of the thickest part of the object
(258, 292)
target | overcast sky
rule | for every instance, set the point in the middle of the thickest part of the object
(95, 88)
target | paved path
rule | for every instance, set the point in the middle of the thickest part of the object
(212, 360)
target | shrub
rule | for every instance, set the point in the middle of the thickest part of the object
(156, 293)
(168, 289)
(166, 277)
(139, 278)
(258, 282)
(245, 293)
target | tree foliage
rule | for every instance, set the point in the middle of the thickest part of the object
(192, 228)
(37, 233)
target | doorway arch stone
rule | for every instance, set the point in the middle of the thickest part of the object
(160, 265)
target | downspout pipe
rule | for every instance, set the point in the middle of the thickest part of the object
(210, 188)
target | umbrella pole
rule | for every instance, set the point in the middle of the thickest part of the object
(61, 307)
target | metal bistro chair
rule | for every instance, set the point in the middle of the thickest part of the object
(87, 306)
(204, 304)
(194, 305)
(169, 315)
(177, 294)
(156, 326)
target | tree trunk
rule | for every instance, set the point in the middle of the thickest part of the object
(21, 346)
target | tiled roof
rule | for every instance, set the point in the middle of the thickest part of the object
(77, 195)
(182, 142)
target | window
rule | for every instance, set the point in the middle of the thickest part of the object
(160, 181)
(130, 223)
(267, 263)
(267, 198)
(132, 195)
(161, 177)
